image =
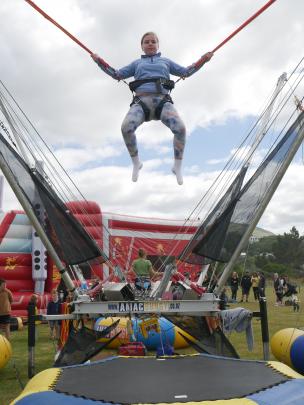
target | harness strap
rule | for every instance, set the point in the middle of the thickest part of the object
(145, 108)
(158, 110)
(159, 81)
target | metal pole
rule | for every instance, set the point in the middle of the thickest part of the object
(169, 269)
(264, 327)
(31, 339)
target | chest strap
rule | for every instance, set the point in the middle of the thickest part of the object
(158, 109)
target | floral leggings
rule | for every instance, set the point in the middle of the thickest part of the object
(169, 116)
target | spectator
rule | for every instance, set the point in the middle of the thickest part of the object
(6, 298)
(234, 285)
(246, 285)
(53, 308)
(255, 285)
(143, 270)
(295, 302)
(262, 284)
(278, 285)
(291, 291)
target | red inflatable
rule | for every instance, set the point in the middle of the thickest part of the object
(119, 236)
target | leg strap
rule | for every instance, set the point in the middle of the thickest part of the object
(146, 110)
(158, 109)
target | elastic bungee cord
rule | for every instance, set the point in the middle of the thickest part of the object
(111, 71)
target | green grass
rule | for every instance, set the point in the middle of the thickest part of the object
(17, 368)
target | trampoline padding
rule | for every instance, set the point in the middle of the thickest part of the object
(292, 392)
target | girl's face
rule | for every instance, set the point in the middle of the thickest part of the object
(150, 44)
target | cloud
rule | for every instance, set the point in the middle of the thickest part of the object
(78, 158)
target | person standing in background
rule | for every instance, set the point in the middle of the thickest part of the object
(255, 285)
(246, 285)
(6, 299)
(234, 285)
(262, 284)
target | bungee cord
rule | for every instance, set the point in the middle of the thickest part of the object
(111, 71)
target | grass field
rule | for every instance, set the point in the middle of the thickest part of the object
(14, 374)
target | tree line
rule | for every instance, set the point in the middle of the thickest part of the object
(283, 254)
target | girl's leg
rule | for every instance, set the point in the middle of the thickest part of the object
(172, 120)
(134, 118)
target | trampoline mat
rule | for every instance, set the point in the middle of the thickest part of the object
(180, 379)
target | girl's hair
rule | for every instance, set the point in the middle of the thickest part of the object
(148, 33)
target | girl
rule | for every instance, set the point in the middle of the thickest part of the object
(151, 100)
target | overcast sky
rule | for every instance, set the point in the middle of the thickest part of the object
(78, 109)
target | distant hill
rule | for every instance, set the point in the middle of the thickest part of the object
(260, 233)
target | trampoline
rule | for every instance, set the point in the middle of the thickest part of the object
(179, 379)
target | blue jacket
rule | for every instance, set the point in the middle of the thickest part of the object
(154, 66)
(53, 308)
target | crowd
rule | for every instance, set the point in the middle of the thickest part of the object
(281, 285)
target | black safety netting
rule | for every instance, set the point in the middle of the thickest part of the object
(222, 231)
(84, 343)
(70, 240)
(213, 230)
(203, 339)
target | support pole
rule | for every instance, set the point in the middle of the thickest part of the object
(31, 339)
(264, 327)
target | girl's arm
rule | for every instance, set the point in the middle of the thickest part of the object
(123, 73)
(181, 71)
(105, 66)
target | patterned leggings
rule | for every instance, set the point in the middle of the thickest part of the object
(169, 116)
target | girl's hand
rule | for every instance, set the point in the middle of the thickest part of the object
(207, 56)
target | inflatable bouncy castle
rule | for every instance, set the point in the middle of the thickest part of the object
(24, 262)
(20, 266)
(25, 265)
(125, 234)
(27, 268)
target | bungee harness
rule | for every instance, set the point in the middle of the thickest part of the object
(166, 98)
